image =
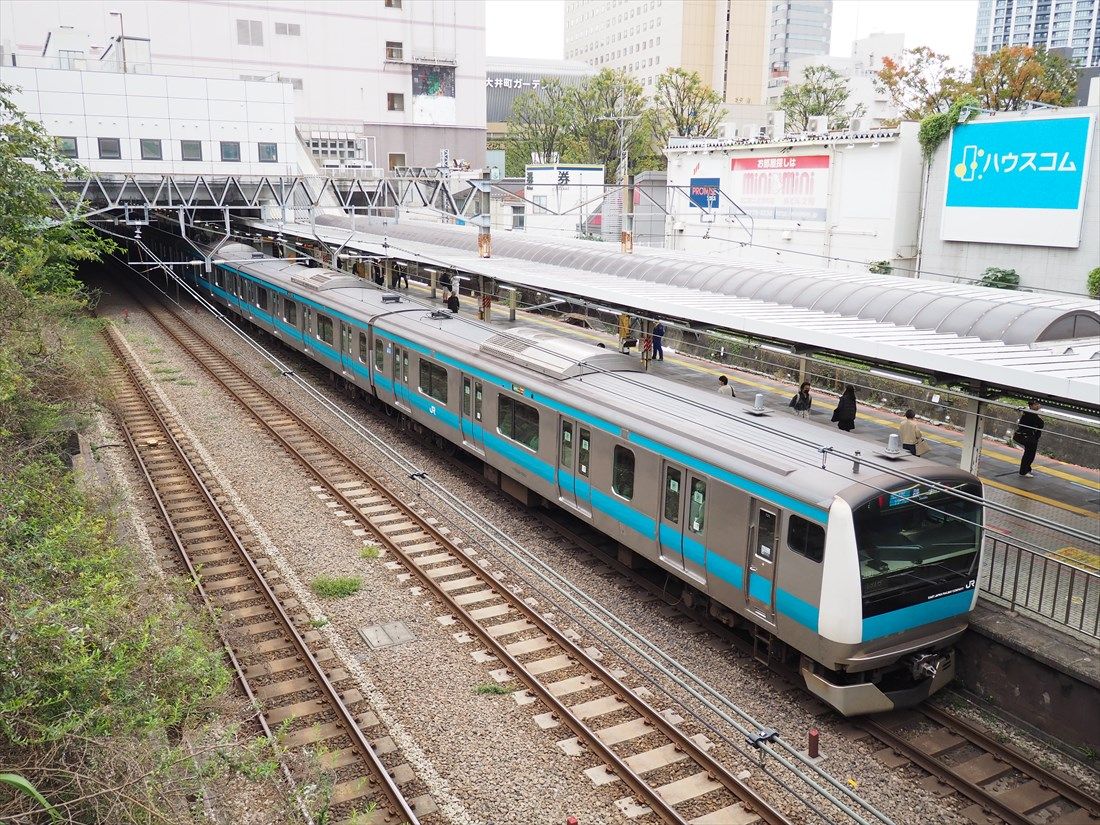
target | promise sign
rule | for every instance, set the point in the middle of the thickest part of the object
(783, 187)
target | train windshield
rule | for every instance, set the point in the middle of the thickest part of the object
(916, 543)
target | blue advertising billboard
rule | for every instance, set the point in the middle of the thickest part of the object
(1018, 180)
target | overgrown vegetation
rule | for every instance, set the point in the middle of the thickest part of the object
(1092, 283)
(336, 587)
(491, 689)
(100, 668)
(998, 278)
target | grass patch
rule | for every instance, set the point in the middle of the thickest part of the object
(318, 623)
(336, 587)
(491, 689)
(371, 551)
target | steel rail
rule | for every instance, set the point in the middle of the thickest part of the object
(649, 794)
(388, 787)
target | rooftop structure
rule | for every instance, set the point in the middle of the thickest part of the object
(1020, 342)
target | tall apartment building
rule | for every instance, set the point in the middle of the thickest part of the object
(725, 41)
(385, 82)
(1047, 24)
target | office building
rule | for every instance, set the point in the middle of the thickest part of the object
(725, 41)
(1044, 24)
(382, 83)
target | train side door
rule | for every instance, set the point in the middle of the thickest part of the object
(670, 535)
(762, 549)
(401, 377)
(574, 465)
(345, 347)
(307, 327)
(473, 397)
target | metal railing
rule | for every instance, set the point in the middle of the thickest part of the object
(1055, 591)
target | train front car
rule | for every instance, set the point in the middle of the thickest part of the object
(898, 585)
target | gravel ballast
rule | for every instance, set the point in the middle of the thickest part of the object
(485, 748)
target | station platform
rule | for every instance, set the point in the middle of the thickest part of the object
(1060, 492)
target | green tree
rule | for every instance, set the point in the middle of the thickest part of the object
(1011, 77)
(823, 91)
(684, 106)
(921, 83)
(1092, 283)
(541, 122)
(97, 664)
(998, 278)
(595, 136)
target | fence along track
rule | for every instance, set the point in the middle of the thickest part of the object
(1003, 784)
(671, 774)
(275, 663)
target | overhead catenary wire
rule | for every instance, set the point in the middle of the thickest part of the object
(821, 451)
(638, 643)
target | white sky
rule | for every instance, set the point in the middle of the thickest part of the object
(535, 28)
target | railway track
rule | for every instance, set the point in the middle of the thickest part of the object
(661, 769)
(294, 684)
(1003, 784)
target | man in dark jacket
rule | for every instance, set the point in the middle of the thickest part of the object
(845, 413)
(453, 302)
(1027, 436)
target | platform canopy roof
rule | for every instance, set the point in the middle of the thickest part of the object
(1021, 342)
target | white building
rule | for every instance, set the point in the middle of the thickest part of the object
(858, 69)
(725, 42)
(842, 200)
(114, 122)
(1045, 24)
(385, 82)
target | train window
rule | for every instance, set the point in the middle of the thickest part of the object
(290, 312)
(518, 421)
(477, 401)
(261, 298)
(622, 472)
(405, 366)
(672, 495)
(216, 277)
(433, 381)
(466, 397)
(324, 328)
(567, 444)
(584, 451)
(697, 506)
(765, 534)
(806, 538)
(363, 347)
(379, 355)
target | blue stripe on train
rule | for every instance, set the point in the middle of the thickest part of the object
(917, 615)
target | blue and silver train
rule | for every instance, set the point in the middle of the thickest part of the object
(862, 580)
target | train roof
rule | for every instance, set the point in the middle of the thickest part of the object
(607, 386)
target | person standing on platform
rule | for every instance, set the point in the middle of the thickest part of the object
(453, 303)
(909, 432)
(724, 387)
(1027, 435)
(658, 342)
(801, 401)
(845, 413)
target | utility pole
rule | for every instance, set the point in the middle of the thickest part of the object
(626, 236)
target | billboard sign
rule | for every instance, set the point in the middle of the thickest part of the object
(782, 187)
(705, 192)
(1019, 181)
(433, 94)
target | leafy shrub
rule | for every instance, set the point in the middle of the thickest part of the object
(998, 278)
(1093, 283)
